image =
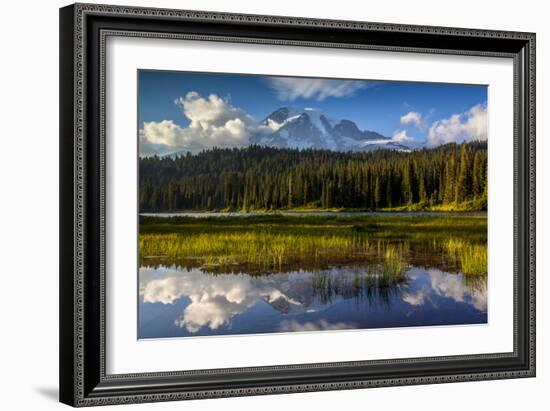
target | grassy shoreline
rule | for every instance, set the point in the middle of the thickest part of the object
(275, 241)
(376, 224)
(411, 208)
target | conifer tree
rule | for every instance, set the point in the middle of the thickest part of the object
(267, 178)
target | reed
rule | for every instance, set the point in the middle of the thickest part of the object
(253, 248)
(472, 258)
(270, 242)
(394, 263)
(372, 284)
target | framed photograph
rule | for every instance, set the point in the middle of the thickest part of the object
(260, 204)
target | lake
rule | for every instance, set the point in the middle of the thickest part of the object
(179, 302)
(301, 272)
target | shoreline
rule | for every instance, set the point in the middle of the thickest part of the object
(320, 213)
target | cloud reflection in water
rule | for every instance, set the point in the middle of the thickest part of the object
(453, 286)
(296, 303)
(215, 299)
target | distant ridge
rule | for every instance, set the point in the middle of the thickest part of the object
(291, 127)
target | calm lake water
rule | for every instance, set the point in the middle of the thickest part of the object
(180, 302)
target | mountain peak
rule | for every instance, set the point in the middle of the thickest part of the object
(295, 127)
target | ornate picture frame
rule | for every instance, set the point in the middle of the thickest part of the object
(84, 30)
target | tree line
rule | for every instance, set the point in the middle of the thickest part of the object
(264, 178)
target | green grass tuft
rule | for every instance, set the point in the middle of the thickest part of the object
(276, 242)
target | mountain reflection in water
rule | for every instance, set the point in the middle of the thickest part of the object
(179, 302)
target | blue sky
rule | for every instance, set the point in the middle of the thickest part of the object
(425, 112)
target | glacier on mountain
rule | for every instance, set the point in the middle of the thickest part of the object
(304, 128)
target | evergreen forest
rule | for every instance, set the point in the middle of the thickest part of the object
(449, 177)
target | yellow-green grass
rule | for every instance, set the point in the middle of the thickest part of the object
(472, 258)
(418, 227)
(394, 261)
(269, 251)
(262, 248)
(275, 242)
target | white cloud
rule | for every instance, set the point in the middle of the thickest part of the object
(398, 137)
(214, 122)
(401, 136)
(291, 88)
(412, 117)
(209, 112)
(468, 126)
(146, 148)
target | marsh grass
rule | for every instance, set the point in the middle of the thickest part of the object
(403, 226)
(262, 248)
(374, 284)
(394, 263)
(472, 258)
(275, 242)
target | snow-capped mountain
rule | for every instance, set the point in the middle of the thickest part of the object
(289, 127)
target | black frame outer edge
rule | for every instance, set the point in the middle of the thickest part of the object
(66, 202)
(96, 389)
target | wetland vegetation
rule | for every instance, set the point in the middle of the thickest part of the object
(270, 242)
